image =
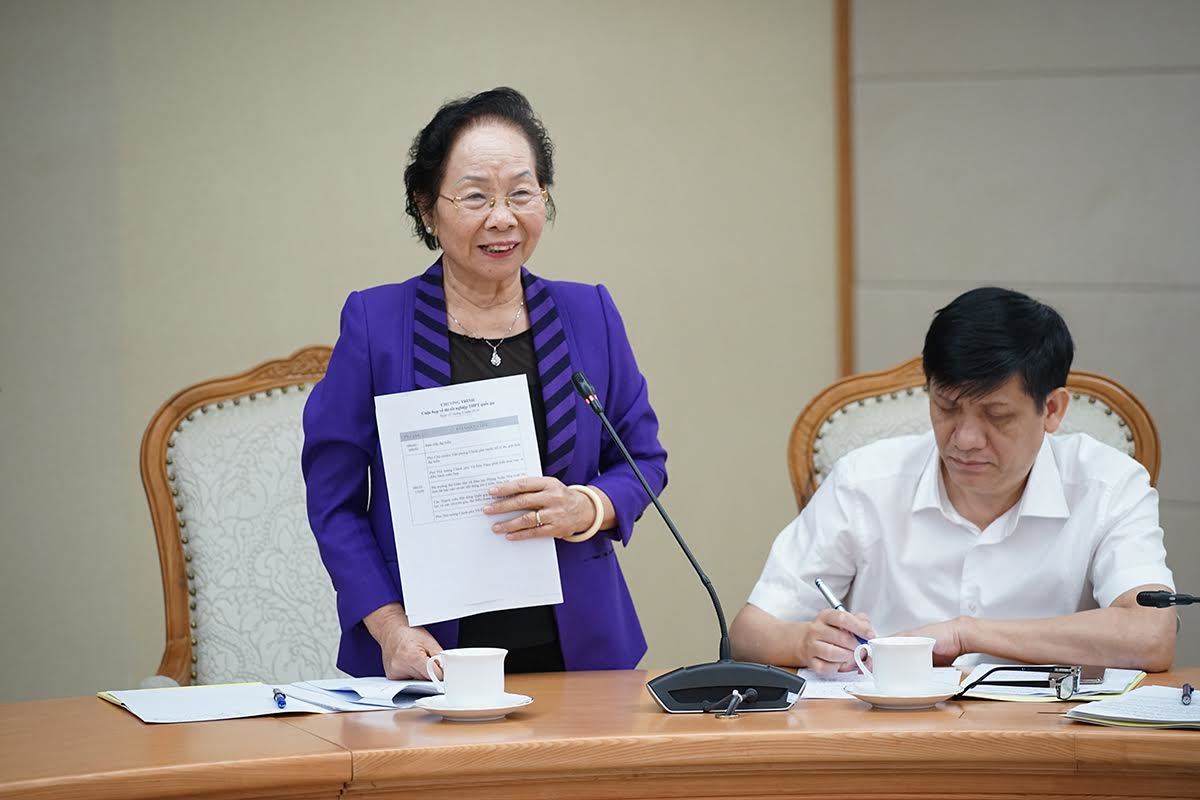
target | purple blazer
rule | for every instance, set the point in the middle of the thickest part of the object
(394, 339)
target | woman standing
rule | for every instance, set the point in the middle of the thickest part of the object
(478, 186)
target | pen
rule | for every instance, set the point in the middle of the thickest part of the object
(831, 598)
(1186, 697)
(280, 698)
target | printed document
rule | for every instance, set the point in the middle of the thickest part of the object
(442, 449)
(833, 687)
(351, 694)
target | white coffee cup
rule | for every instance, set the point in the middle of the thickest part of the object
(473, 677)
(903, 664)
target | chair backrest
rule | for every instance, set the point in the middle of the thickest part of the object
(245, 593)
(860, 409)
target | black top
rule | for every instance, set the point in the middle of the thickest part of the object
(529, 634)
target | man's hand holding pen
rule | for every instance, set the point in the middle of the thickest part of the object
(829, 640)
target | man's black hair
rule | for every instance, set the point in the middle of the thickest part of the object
(988, 335)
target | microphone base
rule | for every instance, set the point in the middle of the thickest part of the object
(694, 689)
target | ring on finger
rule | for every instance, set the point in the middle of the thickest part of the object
(537, 516)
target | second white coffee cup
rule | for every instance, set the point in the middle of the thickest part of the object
(473, 677)
(903, 664)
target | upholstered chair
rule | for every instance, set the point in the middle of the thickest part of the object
(245, 593)
(862, 408)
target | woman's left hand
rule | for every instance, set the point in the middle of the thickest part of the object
(551, 508)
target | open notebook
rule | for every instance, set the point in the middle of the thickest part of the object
(1116, 682)
(1144, 707)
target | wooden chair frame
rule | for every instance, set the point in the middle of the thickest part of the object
(302, 368)
(911, 374)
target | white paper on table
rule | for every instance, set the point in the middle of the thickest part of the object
(833, 687)
(1116, 681)
(442, 448)
(211, 702)
(238, 700)
(331, 701)
(359, 694)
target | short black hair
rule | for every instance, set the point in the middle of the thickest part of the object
(987, 335)
(427, 156)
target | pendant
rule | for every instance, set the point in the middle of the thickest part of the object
(495, 359)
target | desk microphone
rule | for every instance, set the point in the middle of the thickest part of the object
(704, 687)
(1162, 599)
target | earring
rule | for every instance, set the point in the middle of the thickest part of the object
(429, 229)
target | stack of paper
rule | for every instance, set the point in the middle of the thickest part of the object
(233, 701)
(362, 694)
(833, 687)
(1116, 682)
(1144, 707)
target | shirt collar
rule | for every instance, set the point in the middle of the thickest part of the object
(928, 494)
(1043, 495)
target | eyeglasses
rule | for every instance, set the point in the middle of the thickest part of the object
(521, 200)
(1062, 679)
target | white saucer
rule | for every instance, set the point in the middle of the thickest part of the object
(929, 697)
(509, 703)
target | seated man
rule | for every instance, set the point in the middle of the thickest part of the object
(985, 534)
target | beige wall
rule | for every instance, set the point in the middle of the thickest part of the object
(1052, 146)
(193, 187)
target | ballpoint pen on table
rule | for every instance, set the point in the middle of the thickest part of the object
(831, 598)
(1186, 696)
(280, 698)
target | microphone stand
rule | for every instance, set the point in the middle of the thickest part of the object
(724, 685)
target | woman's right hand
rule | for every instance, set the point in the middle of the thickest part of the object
(406, 649)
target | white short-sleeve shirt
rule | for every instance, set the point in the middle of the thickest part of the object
(884, 536)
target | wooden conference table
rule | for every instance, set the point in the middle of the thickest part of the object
(596, 735)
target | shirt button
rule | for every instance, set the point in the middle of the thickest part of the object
(974, 608)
